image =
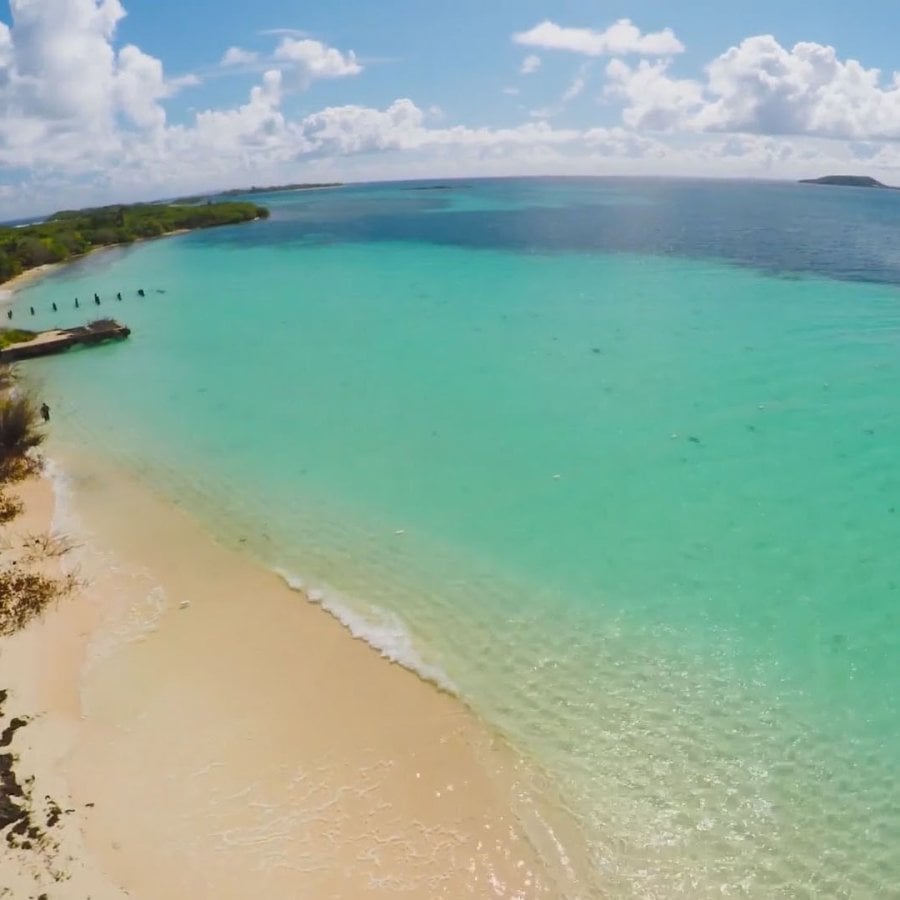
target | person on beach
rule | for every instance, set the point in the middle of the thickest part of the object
(140, 292)
(54, 308)
(9, 314)
(32, 310)
(76, 303)
(96, 300)
(119, 295)
(45, 412)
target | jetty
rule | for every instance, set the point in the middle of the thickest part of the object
(58, 340)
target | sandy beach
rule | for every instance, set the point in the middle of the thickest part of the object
(216, 736)
(9, 288)
(39, 669)
(26, 278)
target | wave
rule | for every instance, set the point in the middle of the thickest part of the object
(64, 519)
(382, 630)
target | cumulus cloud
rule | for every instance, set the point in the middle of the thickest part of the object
(309, 60)
(257, 124)
(530, 65)
(761, 87)
(65, 91)
(80, 112)
(237, 56)
(653, 100)
(622, 38)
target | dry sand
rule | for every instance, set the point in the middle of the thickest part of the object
(38, 672)
(230, 740)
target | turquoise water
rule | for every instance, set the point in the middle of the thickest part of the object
(625, 475)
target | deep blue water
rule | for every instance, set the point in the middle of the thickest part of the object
(780, 228)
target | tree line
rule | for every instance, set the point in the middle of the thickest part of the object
(72, 233)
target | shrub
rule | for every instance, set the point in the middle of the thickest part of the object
(19, 433)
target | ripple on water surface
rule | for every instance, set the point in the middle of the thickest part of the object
(641, 510)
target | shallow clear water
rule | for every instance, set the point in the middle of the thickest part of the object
(621, 456)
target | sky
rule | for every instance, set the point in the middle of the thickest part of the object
(120, 100)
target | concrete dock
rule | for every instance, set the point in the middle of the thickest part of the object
(59, 340)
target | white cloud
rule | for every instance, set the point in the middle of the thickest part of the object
(511, 91)
(530, 65)
(65, 92)
(576, 86)
(85, 118)
(653, 100)
(291, 32)
(237, 56)
(760, 87)
(309, 60)
(257, 124)
(620, 39)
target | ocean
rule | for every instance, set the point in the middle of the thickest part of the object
(615, 460)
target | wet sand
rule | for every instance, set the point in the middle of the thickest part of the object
(230, 740)
(29, 276)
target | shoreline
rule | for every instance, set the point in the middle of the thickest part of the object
(288, 756)
(9, 289)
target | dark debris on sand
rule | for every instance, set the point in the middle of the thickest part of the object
(24, 824)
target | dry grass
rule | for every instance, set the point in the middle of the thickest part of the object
(25, 591)
(10, 507)
(47, 546)
(24, 595)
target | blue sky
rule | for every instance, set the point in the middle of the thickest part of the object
(105, 99)
(458, 54)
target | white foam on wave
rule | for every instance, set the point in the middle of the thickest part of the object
(64, 520)
(384, 631)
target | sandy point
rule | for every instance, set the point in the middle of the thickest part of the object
(9, 288)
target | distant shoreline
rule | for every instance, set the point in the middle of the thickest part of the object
(274, 189)
(8, 289)
(29, 276)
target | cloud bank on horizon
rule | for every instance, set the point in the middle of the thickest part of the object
(85, 117)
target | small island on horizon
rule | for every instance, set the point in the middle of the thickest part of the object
(848, 181)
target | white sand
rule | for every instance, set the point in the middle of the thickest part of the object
(235, 741)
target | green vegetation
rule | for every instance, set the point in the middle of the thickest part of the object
(74, 232)
(14, 336)
(847, 181)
